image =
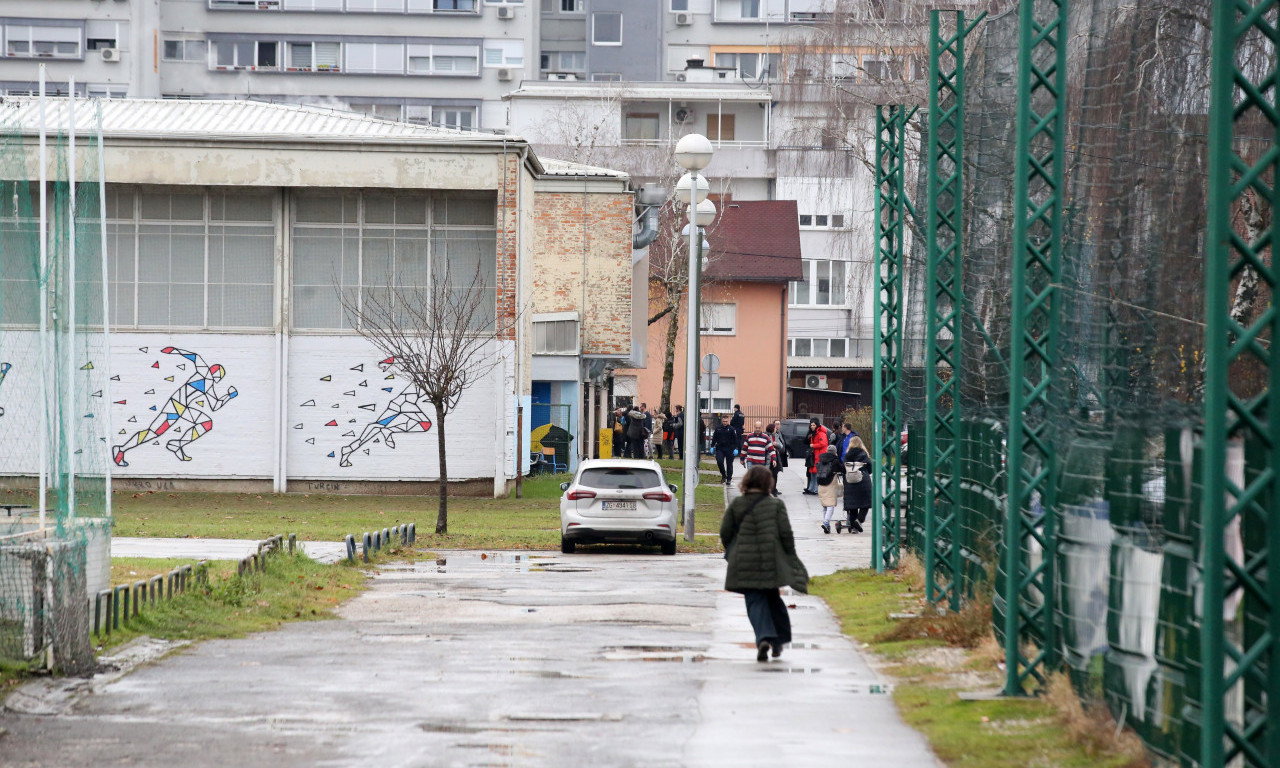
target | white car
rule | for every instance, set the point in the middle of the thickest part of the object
(616, 501)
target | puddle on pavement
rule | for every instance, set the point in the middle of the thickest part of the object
(564, 717)
(790, 646)
(557, 568)
(458, 727)
(875, 689)
(483, 561)
(669, 654)
(792, 670)
(548, 674)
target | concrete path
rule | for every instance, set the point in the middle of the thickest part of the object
(603, 658)
(214, 549)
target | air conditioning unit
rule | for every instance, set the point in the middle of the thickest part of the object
(505, 74)
(506, 12)
(684, 19)
(683, 115)
(680, 78)
(110, 54)
(815, 381)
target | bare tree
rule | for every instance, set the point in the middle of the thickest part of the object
(445, 337)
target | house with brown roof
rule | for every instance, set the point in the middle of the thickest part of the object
(754, 254)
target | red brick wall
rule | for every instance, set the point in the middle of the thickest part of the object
(582, 263)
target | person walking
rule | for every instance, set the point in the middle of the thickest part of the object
(674, 427)
(817, 447)
(830, 470)
(761, 550)
(724, 441)
(646, 448)
(739, 420)
(857, 485)
(634, 448)
(779, 454)
(757, 449)
(846, 432)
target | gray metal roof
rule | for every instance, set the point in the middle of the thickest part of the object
(229, 120)
(553, 167)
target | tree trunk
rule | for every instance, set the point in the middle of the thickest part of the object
(669, 361)
(442, 517)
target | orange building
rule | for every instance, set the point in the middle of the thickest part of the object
(755, 253)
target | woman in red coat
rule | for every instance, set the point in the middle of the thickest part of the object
(817, 447)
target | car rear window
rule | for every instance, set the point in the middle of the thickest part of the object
(618, 478)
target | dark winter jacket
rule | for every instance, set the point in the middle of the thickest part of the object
(737, 421)
(759, 543)
(635, 425)
(829, 467)
(858, 495)
(724, 439)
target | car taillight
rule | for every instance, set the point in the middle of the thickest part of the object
(580, 494)
(658, 496)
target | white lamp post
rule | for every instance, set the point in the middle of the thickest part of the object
(693, 153)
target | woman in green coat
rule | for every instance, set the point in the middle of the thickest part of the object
(759, 547)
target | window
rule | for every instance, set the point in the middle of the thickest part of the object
(191, 259)
(750, 66)
(719, 400)
(679, 5)
(571, 6)
(882, 69)
(555, 337)
(373, 243)
(444, 59)
(455, 5)
(606, 28)
(245, 54)
(101, 34)
(379, 58)
(806, 220)
(461, 118)
(185, 50)
(314, 57)
(718, 319)
(817, 347)
(573, 60)
(720, 127)
(504, 53)
(544, 61)
(822, 284)
(750, 9)
(35, 41)
(822, 220)
(19, 239)
(606, 77)
(640, 126)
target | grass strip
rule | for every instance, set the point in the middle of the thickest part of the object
(531, 522)
(931, 665)
(292, 588)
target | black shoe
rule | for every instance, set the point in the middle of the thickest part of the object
(808, 492)
(762, 651)
(827, 529)
(854, 527)
(777, 650)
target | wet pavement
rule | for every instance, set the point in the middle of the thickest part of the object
(604, 658)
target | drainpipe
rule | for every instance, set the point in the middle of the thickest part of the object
(650, 197)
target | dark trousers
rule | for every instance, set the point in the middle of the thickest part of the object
(633, 448)
(768, 615)
(679, 446)
(724, 460)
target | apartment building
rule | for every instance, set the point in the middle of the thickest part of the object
(440, 62)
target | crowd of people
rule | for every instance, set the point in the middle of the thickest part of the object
(756, 530)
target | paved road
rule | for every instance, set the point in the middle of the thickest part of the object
(595, 659)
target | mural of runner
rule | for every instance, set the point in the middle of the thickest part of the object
(184, 409)
(4, 371)
(403, 415)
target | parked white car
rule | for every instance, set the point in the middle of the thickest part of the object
(618, 501)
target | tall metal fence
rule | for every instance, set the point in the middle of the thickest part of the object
(1092, 439)
(54, 385)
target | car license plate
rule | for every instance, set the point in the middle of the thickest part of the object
(629, 506)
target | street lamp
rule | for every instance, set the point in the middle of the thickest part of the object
(693, 153)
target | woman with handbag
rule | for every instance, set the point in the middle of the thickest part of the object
(761, 551)
(857, 485)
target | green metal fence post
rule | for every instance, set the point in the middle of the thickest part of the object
(1037, 268)
(944, 297)
(891, 208)
(1232, 415)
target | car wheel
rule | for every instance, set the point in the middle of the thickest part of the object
(567, 546)
(669, 547)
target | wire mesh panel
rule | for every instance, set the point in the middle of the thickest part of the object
(1142, 590)
(54, 390)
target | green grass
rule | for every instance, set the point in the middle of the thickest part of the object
(964, 734)
(293, 587)
(531, 522)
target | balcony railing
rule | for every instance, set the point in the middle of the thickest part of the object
(718, 144)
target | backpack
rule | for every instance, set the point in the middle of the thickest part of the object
(826, 472)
